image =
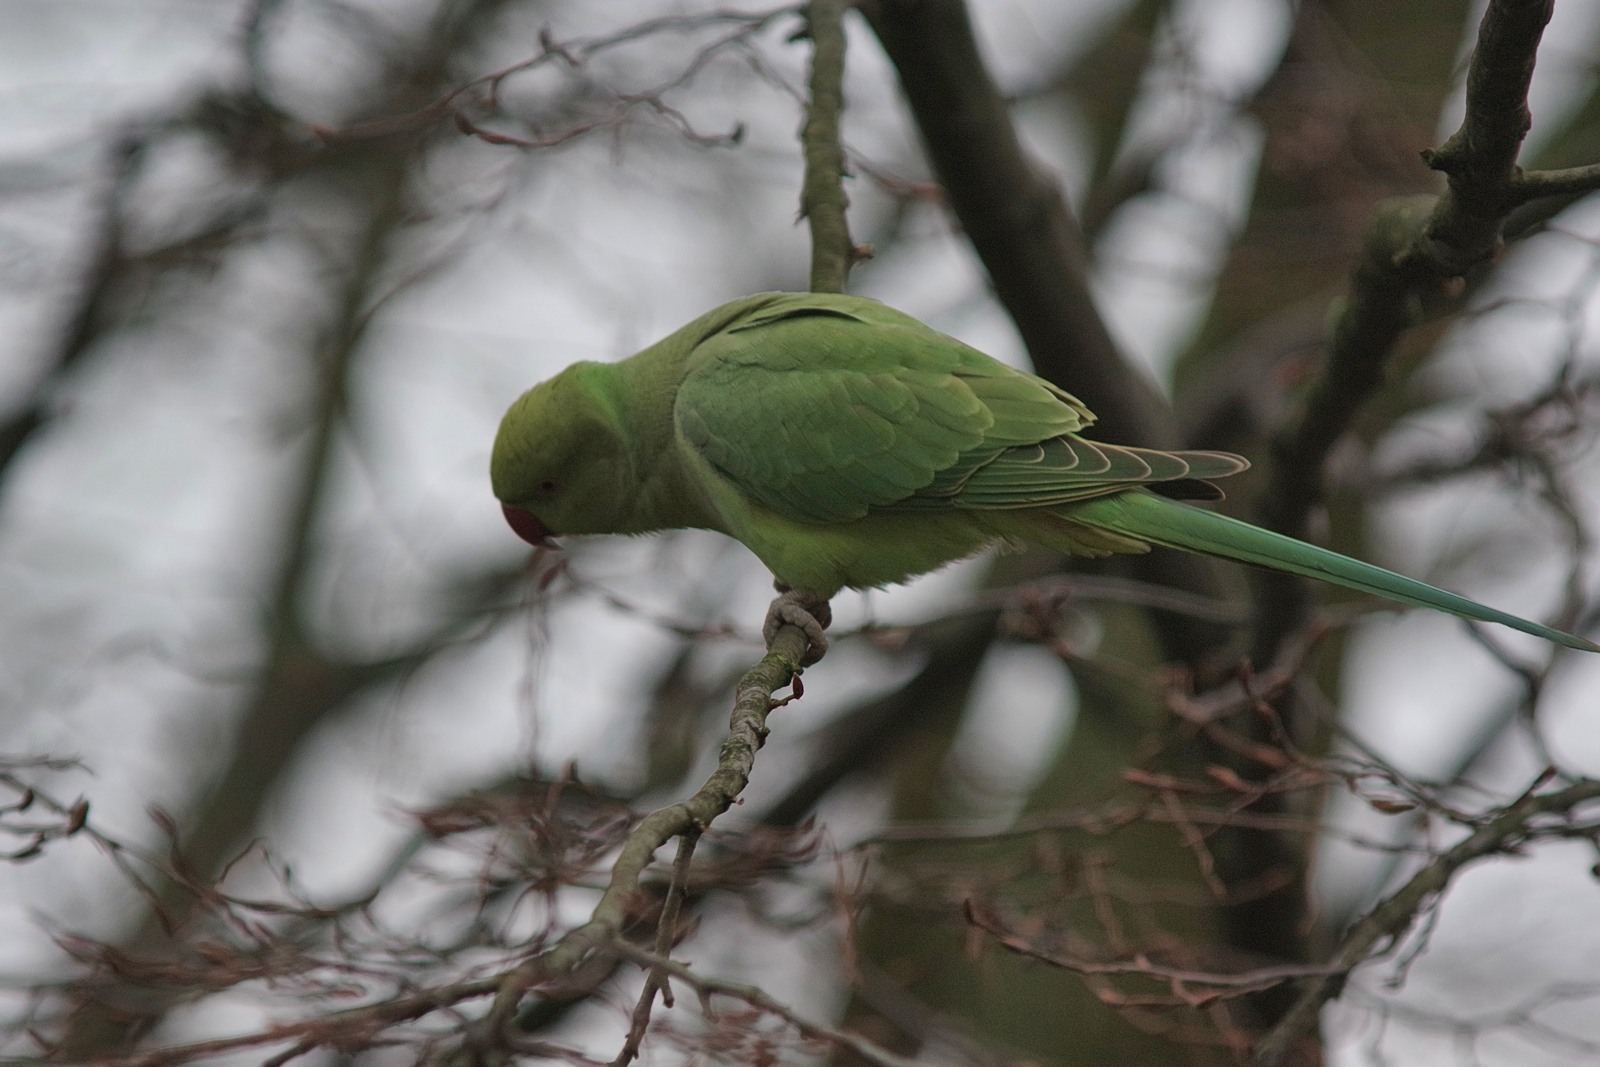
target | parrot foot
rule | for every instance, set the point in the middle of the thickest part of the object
(809, 612)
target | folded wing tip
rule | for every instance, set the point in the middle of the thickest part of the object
(1187, 489)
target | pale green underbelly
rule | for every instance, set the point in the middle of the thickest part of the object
(880, 549)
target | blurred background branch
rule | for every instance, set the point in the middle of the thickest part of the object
(276, 268)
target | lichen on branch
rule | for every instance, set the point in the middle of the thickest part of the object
(822, 198)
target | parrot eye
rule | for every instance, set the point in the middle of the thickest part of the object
(547, 488)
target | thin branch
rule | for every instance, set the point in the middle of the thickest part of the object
(95, 293)
(1520, 1018)
(871, 730)
(666, 928)
(822, 199)
(1179, 980)
(1389, 921)
(1536, 184)
(762, 1001)
(747, 731)
(315, 1031)
(483, 93)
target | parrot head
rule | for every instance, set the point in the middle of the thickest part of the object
(561, 464)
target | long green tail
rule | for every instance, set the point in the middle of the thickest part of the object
(1166, 522)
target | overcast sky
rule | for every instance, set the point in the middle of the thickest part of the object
(134, 533)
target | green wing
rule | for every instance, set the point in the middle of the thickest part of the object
(826, 407)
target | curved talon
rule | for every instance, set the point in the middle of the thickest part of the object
(809, 612)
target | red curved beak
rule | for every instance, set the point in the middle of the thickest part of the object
(527, 526)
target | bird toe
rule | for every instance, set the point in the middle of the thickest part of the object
(807, 611)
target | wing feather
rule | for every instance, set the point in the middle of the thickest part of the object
(824, 408)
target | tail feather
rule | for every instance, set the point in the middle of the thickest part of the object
(1150, 518)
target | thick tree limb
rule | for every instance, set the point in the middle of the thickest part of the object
(1105, 84)
(1414, 245)
(1480, 159)
(1570, 145)
(1033, 250)
(1015, 216)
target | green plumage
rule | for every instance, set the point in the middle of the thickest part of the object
(849, 445)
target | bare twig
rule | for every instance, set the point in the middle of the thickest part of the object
(1537, 184)
(1389, 921)
(311, 1033)
(656, 980)
(746, 733)
(465, 105)
(1189, 987)
(761, 1001)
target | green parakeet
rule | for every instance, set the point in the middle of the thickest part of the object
(849, 445)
